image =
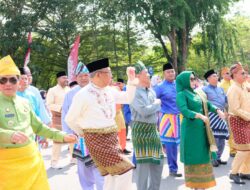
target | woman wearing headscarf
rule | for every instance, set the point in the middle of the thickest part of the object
(197, 141)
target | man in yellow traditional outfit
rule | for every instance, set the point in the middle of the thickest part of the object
(239, 120)
(225, 83)
(21, 164)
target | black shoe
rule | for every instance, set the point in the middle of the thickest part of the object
(215, 163)
(125, 151)
(236, 179)
(245, 176)
(232, 155)
(222, 162)
(175, 174)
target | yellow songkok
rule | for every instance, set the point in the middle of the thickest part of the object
(224, 70)
(8, 67)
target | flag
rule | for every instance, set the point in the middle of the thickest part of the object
(27, 56)
(73, 60)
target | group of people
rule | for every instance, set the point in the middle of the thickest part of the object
(89, 117)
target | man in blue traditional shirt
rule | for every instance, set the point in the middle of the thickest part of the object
(217, 97)
(169, 118)
(25, 92)
(44, 114)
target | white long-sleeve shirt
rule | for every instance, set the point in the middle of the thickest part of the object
(55, 97)
(94, 107)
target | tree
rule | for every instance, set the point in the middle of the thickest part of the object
(216, 52)
(17, 19)
(174, 20)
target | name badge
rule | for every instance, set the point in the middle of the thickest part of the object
(10, 115)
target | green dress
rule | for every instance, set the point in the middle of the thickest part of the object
(194, 146)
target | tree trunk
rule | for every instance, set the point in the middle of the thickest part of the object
(183, 42)
(94, 28)
(164, 47)
(184, 49)
(115, 48)
(127, 21)
(172, 39)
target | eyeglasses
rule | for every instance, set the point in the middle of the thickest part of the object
(12, 80)
(192, 79)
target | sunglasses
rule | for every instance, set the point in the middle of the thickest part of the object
(12, 80)
(192, 79)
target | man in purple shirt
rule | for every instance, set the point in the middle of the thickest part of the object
(169, 118)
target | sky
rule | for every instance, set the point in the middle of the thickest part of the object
(242, 7)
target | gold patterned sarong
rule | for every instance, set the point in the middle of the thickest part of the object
(104, 149)
(199, 176)
(22, 169)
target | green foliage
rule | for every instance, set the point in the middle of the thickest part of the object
(228, 45)
(115, 29)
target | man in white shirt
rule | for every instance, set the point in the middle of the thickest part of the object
(54, 100)
(93, 113)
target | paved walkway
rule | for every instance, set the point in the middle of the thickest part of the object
(67, 178)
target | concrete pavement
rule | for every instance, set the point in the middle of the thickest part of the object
(67, 178)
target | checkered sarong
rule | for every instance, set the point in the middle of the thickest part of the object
(104, 149)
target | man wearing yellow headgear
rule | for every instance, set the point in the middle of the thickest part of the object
(21, 164)
(239, 120)
(226, 79)
(225, 83)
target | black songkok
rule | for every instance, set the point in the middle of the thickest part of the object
(167, 66)
(120, 80)
(22, 71)
(99, 64)
(73, 83)
(208, 73)
(60, 74)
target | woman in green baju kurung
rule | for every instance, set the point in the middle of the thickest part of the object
(195, 147)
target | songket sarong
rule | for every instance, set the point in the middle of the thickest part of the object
(218, 126)
(22, 169)
(241, 133)
(105, 151)
(169, 128)
(199, 176)
(56, 120)
(146, 143)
